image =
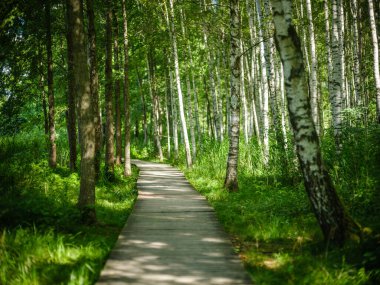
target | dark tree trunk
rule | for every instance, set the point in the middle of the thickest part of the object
(336, 224)
(117, 89)
(127, 119)
(109, 168)
(52, 146)
(94, 80)
(70, 115)
(86, 200)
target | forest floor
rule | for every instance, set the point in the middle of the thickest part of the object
(42, 241)
(269, 219)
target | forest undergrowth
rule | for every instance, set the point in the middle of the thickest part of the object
(270, 220)
(42, 240)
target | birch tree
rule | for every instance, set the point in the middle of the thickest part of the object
(336, 75)
(313, 70)
(173, 38)
(376, 67)
(264, 86)
(231, 180)
(336, 224)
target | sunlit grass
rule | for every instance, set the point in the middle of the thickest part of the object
(271, 223)
(41, 238)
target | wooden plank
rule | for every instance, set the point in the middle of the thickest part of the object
(171, 237)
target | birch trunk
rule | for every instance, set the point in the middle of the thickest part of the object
(86, 200)
(127, 119)
(231, 181)
(155, 100)
(335, 223)
(355, 44)
(342, 51)
(242, 94)
(265, 87)
(178, 81)
(168, 116)
(376, 67)
(313, 70)
(189, 93)
(174, 112)
(336, 75)
(252, 72)
(142, 96)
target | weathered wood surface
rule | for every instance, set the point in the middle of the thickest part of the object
(171, 237)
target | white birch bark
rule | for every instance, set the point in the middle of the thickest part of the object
(335, 223)
(242, 94)
(178, 82)
(355, 52)
(336, 74)
(174, 112)
(313, 70)
(376, 67)
(231, 181)
(265, 87)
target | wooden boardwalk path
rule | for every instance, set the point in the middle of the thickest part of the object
(171, 237)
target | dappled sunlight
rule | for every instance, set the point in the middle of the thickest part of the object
(172, 237)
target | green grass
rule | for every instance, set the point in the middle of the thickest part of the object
(271, 223)
(41, 238)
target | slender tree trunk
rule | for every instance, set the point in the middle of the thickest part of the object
(196, 112)
(342, 52)
(109, 167)
(328, 48)
(86, 200)
(336, 75)
(70, 113)
(231, 181)
(355, 44)
(142, 96)
(117, 88)
(52, 145)
(376, 67)
(179, 89)
(127, 115)
(313, 70)
(242, 94)
(94, 80)
(155, 100)
(173, 107)
(335, 223)
(189, 92)
(265, 86)
(252, 71)
(168, 112)
(43, 97)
